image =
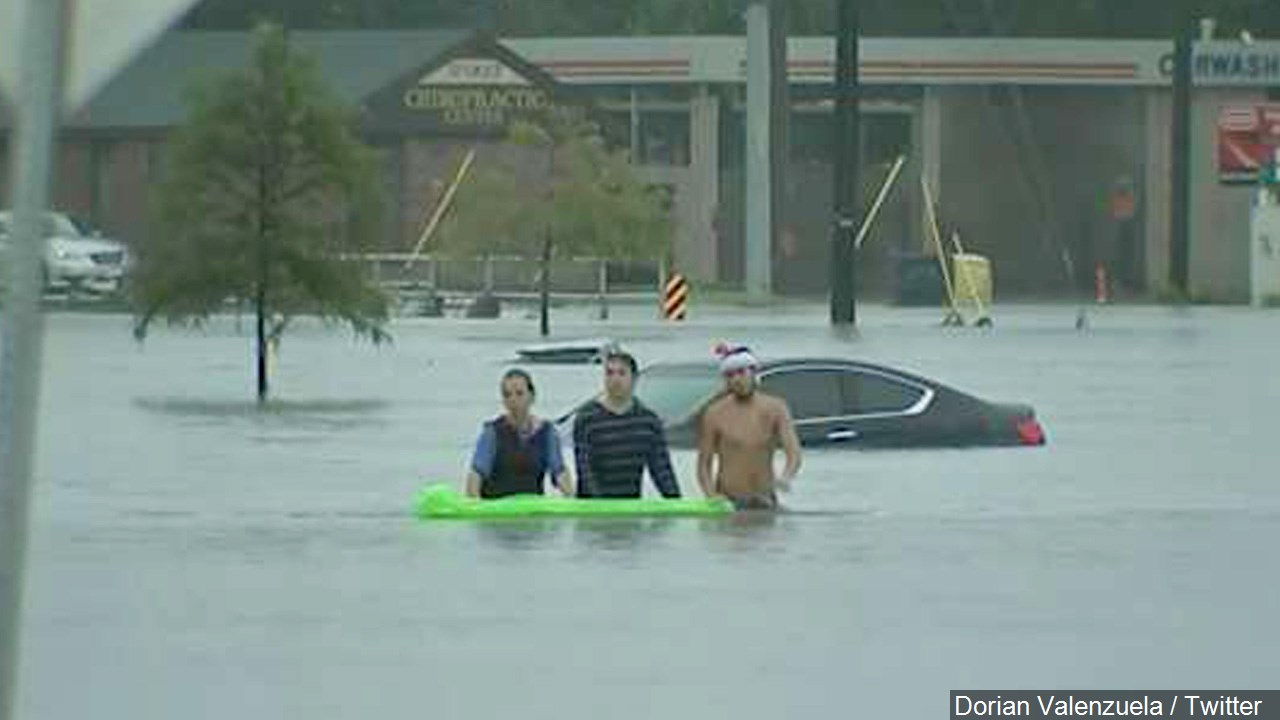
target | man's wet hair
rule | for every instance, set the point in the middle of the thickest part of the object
(623, 357)
(518, 373)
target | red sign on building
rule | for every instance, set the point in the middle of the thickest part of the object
(1248, 136)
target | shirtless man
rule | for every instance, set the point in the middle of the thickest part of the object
(744, 428)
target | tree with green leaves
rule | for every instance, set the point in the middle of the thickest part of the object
(591, 202)
(266, 190)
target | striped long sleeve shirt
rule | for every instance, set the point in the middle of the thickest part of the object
(612, 450)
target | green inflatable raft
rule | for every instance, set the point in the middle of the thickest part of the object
(443, 502)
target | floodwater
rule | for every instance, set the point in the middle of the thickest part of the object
(193, 557)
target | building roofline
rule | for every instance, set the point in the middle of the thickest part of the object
(585, 62)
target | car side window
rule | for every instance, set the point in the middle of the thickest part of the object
(866, 393)
(809, 393)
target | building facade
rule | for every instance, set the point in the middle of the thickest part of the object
(1051, 157)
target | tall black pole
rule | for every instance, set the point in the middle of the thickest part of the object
(268, 167)
(544, 294)
(1180, 202)
(843, 252)
(544, 286)
(779, 130)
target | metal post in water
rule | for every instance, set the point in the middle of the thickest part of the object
(488, 274)
(662, 283)
(23, 324)
(602, 283)
(544, 288)
(779, 128)
(844, 252)
(1180, 201)
(544, 294)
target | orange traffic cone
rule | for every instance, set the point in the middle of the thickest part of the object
(1100, 284)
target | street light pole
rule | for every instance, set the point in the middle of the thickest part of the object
(845, 226)
(23, 325)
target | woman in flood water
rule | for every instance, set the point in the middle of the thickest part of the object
(516, 450)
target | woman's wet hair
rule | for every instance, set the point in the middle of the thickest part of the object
(518, 373)
(625, 358)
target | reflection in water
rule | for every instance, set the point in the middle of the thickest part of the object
(229, 407)
(620, 534)
(517, 533)
(742, 523)
(320, 414)
(615, 535)
(625, 535)
(752, 530)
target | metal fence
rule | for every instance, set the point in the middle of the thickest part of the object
(505, 276)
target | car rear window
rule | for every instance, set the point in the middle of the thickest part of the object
(866, 393)
(810, 394)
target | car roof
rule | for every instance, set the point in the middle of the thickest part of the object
(772, 364)
(7, 216)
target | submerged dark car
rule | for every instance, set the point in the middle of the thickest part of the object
(843, 403)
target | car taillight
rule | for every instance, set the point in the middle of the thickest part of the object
(1030, 432)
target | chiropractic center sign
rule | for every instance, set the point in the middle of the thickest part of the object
(474, 95)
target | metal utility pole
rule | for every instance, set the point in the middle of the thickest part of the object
(39, 97)
(544, 281)
(846, 179)
(1180, 201)
(779, 128)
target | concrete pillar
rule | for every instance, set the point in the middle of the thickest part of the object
(1219, 222)
(759, 215)
(1156, 187)
(704, 186)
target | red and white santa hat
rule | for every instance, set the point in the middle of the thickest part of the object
(735, 357)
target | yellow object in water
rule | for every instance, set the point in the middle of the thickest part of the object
(973, 283)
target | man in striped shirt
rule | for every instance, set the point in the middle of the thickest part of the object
(615, 437)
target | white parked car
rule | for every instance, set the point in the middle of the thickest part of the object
(72, 258)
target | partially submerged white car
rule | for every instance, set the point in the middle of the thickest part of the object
(73, 259)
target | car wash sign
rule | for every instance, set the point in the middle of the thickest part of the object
(1248, 137)
(1219, 63)
(476, 91)
(1237, 67)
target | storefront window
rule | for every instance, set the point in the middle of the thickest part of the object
(664, 138)
(615, 125)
